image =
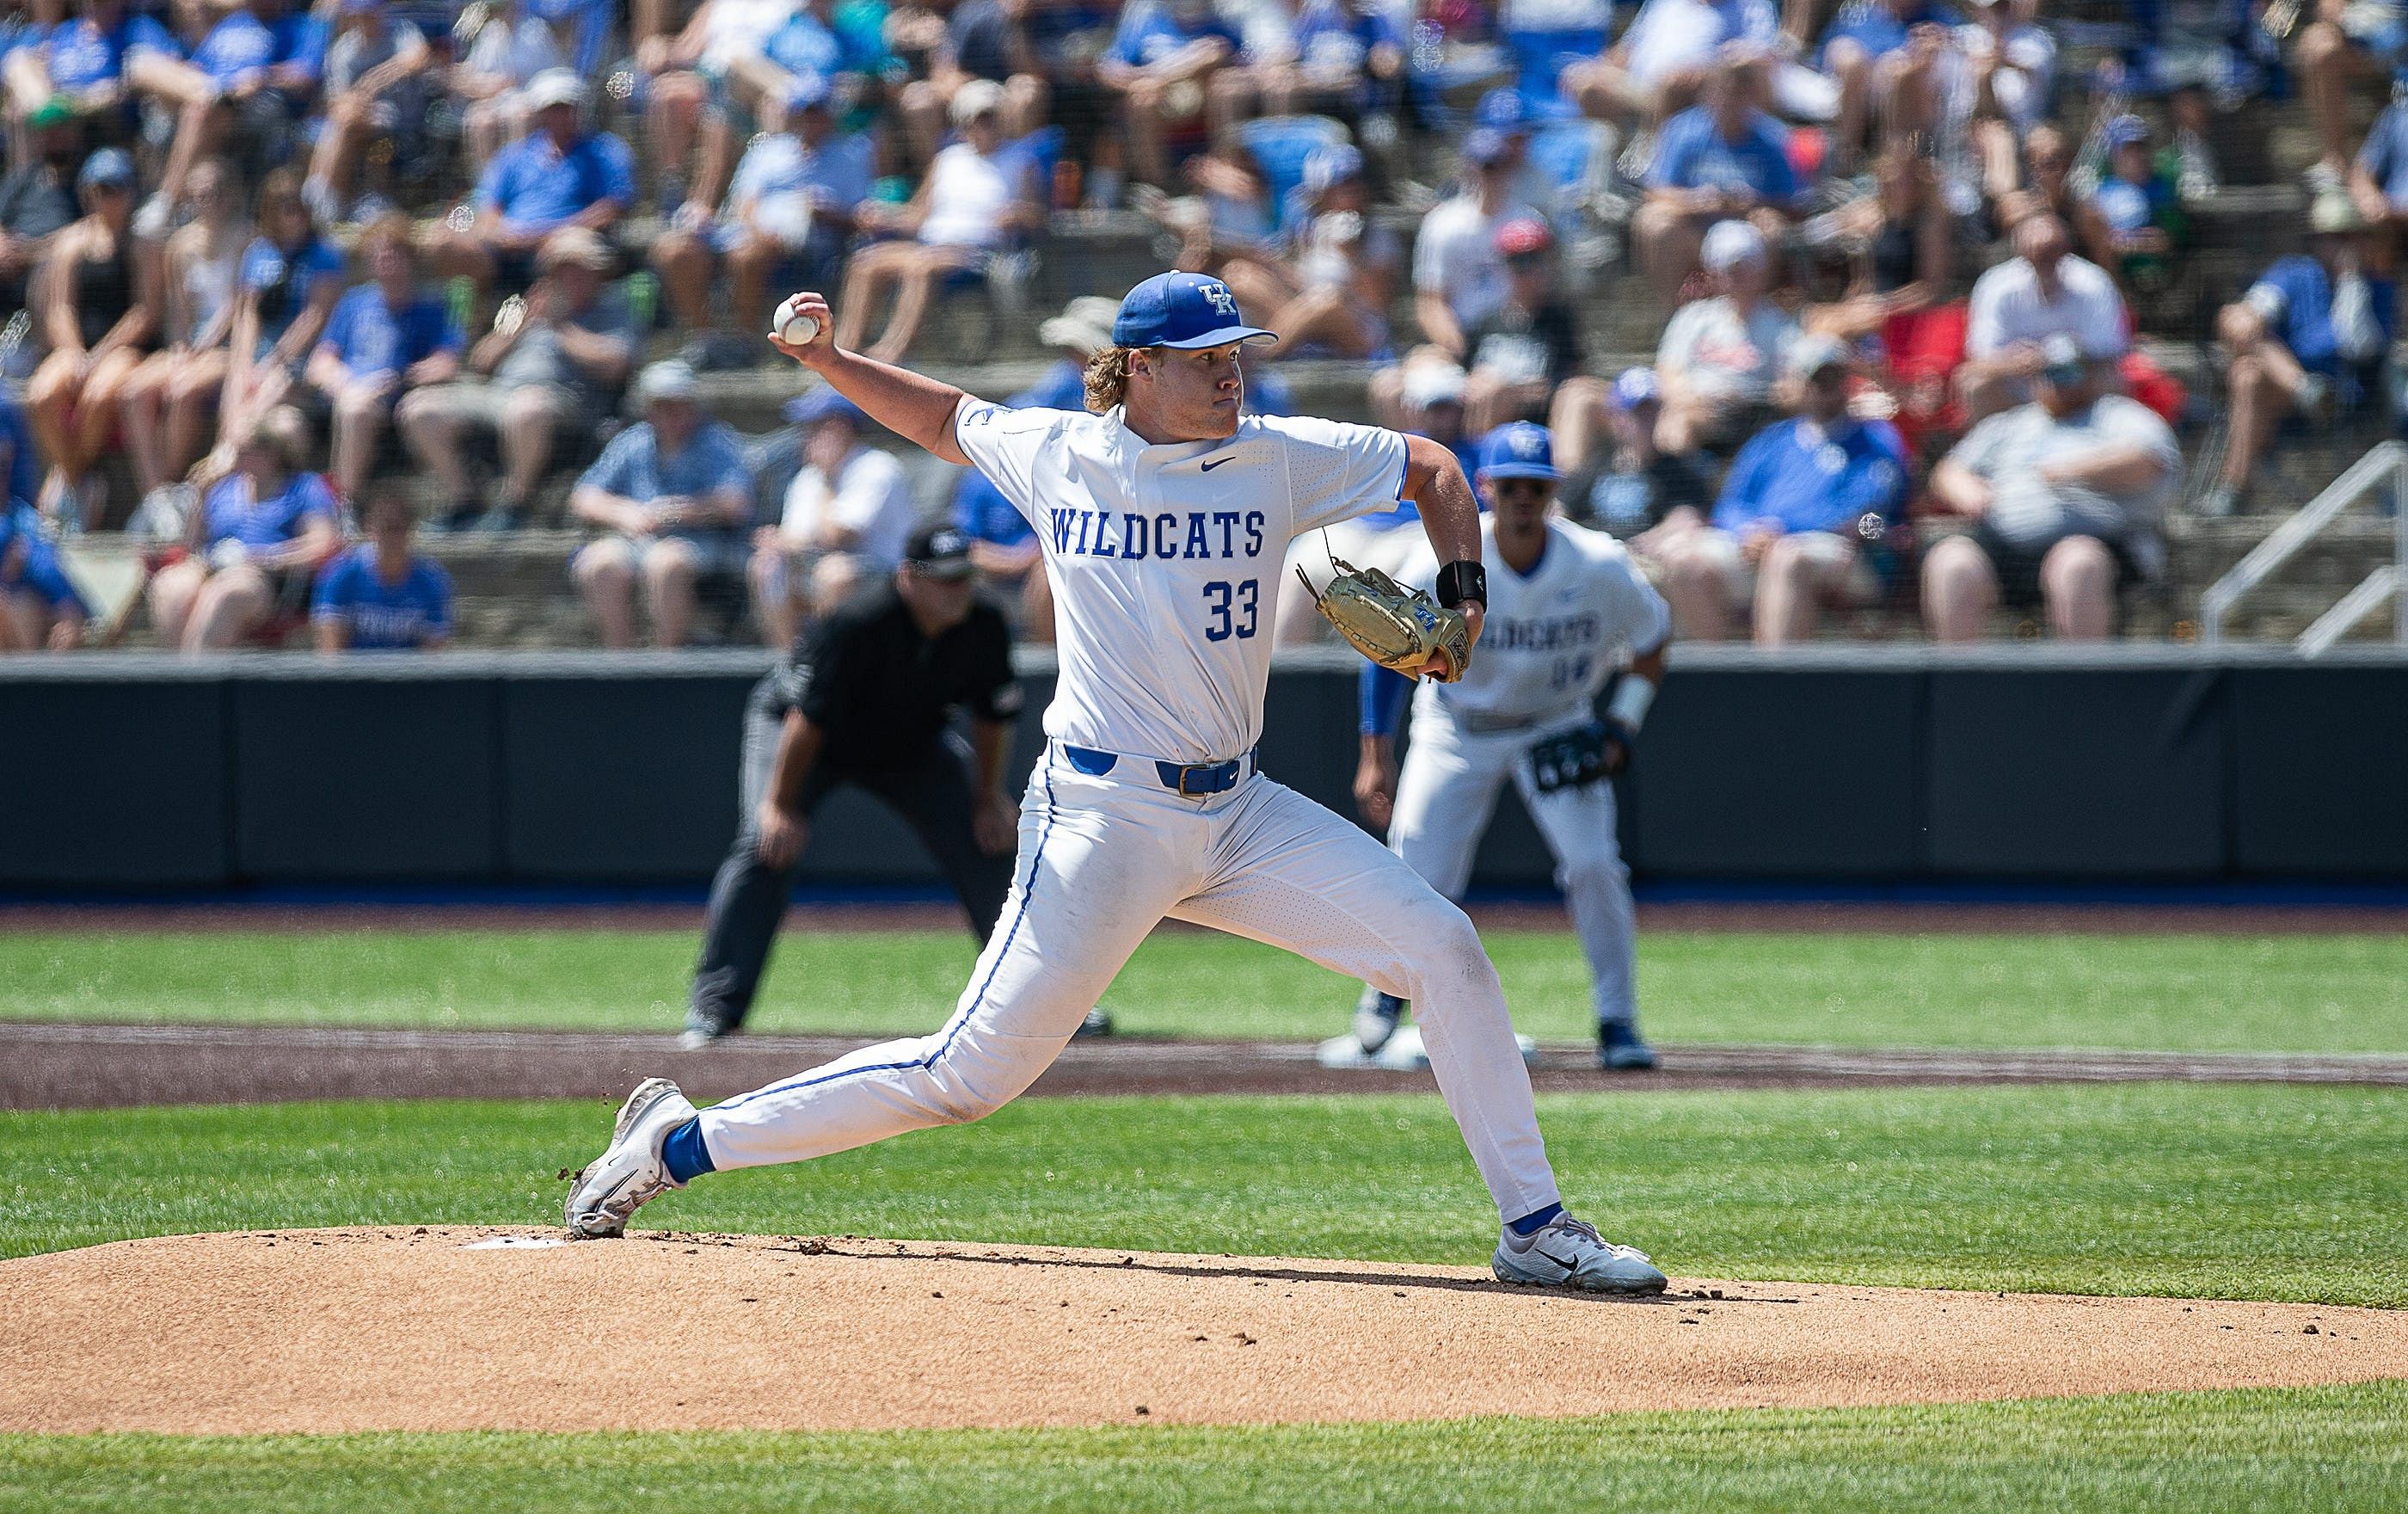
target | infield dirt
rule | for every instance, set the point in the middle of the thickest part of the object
(464, 1329)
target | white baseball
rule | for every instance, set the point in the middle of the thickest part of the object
(794, 328)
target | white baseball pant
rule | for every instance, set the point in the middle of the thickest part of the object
(1445, 798)
(1102, 861)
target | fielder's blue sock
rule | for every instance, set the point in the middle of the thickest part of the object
(1529, 1224)
(684, 1154)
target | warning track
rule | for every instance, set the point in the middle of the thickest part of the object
(75, 1066)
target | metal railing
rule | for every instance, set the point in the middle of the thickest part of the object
(2385, 465)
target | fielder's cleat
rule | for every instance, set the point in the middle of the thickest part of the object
(1620, 1050)
(703, 1029)
(1569, 1253)
(1376, 1017)
(629, 1174)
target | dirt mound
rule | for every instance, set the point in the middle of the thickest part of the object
(459, 1328)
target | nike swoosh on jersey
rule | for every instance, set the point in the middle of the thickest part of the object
(1214, 464)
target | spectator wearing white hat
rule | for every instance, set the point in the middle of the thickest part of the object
(976, 198)
(846, 518)
(790, 209)
(559, 174)
(548, 366)
(1719, 355)
(1789, 536)
(2065, 494)
(674, 495)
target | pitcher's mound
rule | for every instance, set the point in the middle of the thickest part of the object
(472, 1329)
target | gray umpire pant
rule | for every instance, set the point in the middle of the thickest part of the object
(933, 794)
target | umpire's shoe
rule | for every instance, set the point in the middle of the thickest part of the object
(1620, 1050)
(629, 1174)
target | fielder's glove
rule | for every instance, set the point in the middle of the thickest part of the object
(1398, 627)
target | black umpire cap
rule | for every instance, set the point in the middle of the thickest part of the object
(939, 551)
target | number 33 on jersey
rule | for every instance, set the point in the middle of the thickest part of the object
(1166, 559)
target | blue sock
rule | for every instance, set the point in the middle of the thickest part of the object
(684, 1154)
(1536, 1220)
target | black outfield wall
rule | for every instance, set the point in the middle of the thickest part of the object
(2142, 765)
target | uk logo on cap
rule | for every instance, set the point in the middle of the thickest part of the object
(1520, 449)
(1184, 311)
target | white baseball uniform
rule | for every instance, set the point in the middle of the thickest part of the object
(1165, 563)
(1551, 642)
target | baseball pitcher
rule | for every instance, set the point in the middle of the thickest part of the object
(1164, 516)
(1566, 607)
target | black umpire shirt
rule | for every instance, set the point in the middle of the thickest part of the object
(881, 692)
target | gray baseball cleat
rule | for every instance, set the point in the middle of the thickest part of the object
(629, 1174)
(1620, 1050)
(1569, 1253)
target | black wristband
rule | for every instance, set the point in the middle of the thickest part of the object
(1461, 580)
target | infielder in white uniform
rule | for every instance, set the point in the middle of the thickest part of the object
(1163, 519)
(1566, 607)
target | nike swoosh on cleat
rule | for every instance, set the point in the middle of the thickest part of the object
(1567, 1266)
(1214, 464)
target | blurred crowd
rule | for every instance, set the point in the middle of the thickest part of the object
(288, 290)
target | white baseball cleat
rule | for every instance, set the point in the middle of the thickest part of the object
(629, 1174)
(1569, 1253)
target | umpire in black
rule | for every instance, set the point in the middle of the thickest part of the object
(866, 698)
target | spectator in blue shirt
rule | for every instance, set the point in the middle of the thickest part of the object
(379, 595)
(1162, 46)
(559, 174)
(2378, 179)
(101, 58)
(40, 606)
(1350, 58)
(285, 290)
(253, 546)
(265, 65)
(674, 494)
(984, 40)
(384, 339)
(791, 207)
(2309, 338)
(1801, 503)
(1723, 159)
(2132, 223)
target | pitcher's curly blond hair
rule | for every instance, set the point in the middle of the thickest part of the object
(1106, 379)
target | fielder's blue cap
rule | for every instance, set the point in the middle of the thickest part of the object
(1185, 311)
(1518, 450)
(824, 404)
(2126, 129)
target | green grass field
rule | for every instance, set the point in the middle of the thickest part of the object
(2165, 993)
(2335, 1450)
(2250, 1192)
(2247, 1192)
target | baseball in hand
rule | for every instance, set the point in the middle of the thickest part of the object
(792, 328)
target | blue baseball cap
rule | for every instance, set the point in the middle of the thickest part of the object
(808, 90)
(824, 404)
(1518, 450)
(1185, 311)
(1637, 387)
(110, 165)
(1333, 163)
(2125, 130)
(1502, 109)
(1483, 146)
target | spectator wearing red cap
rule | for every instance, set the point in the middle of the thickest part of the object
(1458, 274)
(1522, 350)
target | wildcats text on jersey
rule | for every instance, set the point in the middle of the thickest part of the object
(1207, 533)
(1554, 634)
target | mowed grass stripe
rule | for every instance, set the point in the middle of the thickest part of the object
(2231, 1192)
(2332, 1451)
(2308, 993)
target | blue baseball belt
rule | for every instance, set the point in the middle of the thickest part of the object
(1187, 779)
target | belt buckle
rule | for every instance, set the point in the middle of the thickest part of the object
(1187, 772)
